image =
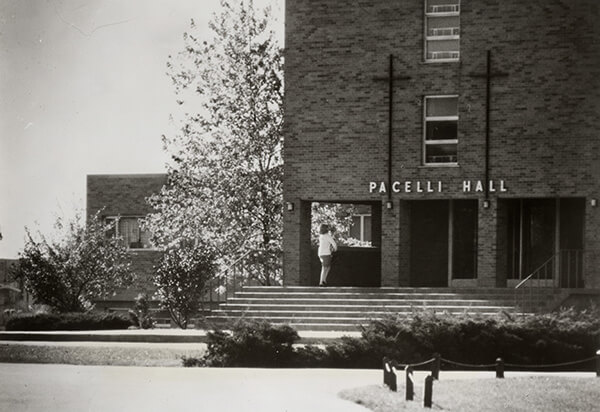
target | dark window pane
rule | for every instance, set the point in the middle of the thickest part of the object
(441, 153)
(446, 130)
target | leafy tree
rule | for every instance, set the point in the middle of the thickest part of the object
(182, 276)
(225, 181)
(336, 215)
(84, 264)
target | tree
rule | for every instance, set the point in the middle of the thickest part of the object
(84, 264)
(182, 277)
(336, 215)
(224, 185)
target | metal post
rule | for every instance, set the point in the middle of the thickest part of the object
(409, 392)
(428, 392)
(389, 377)
(499, 368)
(435, 366)
(598, 364)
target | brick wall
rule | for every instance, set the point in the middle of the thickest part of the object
(543, 114)
(123, 195)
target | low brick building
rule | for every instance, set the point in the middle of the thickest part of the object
(468, 128)
(122, 198)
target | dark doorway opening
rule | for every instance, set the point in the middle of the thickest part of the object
(429, 243)
(358, 235)
(545, 239)
(443, 242)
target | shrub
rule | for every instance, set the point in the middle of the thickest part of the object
(182, 276)
(140, 314)
(251, 344)
(67, 321)
(553, 338)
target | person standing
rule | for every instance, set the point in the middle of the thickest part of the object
(326, 247)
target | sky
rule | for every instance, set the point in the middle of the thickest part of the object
(84, 90)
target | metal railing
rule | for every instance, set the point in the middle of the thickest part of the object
(443, 31)
(226, 282)
(443, 8)
(562, 270)
(443, 55)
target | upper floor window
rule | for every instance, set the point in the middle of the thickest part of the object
(442, 30)
(129, 228)
(440, 142)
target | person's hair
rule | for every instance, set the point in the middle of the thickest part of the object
(323, 229)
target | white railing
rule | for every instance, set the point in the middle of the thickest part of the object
(443, 31)
(443, 55)
(443, 8)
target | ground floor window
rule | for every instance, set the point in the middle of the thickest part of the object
(130, 230)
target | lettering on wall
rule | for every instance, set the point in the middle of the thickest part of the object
(409, 186)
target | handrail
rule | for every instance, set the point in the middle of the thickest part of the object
(563, 269)
(235, 262)
(535, 271)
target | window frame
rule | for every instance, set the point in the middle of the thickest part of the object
(427, 38)
(117, 218)
(426, 143)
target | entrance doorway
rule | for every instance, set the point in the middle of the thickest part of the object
(545, 238)
(443, 243)
(357, 231)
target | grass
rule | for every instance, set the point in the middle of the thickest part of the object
(121, 354)
(536, 393)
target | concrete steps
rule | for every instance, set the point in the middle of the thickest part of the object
(347, 308)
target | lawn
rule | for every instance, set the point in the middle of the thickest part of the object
(535, 393)
(106, 353)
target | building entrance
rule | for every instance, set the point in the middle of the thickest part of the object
(545, 238)
(443, 243)
(357, 231)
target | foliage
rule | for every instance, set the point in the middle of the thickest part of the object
(335, 215)
(251, 344)
(225, 182)
(67, 321)
(83, 265)
(181, 279)
(140, 314)
(566, 336)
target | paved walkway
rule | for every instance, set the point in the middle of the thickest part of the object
(157, 335)
(27, 387)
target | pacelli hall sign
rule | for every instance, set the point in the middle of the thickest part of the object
(410, 186)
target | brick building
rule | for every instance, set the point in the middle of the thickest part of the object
(122, 198)
(468, 128)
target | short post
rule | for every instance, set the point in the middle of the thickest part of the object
(499, 368)
(389, 377)
(598, 363)
(409, 392)
(435, 366)
(428, 392)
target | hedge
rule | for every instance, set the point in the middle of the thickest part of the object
(525, 340)
(67, 321)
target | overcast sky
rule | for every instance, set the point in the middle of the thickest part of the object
(83, 90)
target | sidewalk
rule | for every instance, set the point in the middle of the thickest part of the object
(157, 335)
(102, 388)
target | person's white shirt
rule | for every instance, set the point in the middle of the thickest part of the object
(326, 245)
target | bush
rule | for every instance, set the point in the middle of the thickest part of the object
(67, 321)
(251, 344)
(545, 339)
(140, 314)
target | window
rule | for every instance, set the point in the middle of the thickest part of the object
(128, 227)
(442, 30)
(361, 227)
(440, 143)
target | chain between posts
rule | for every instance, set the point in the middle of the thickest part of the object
(390, 365)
